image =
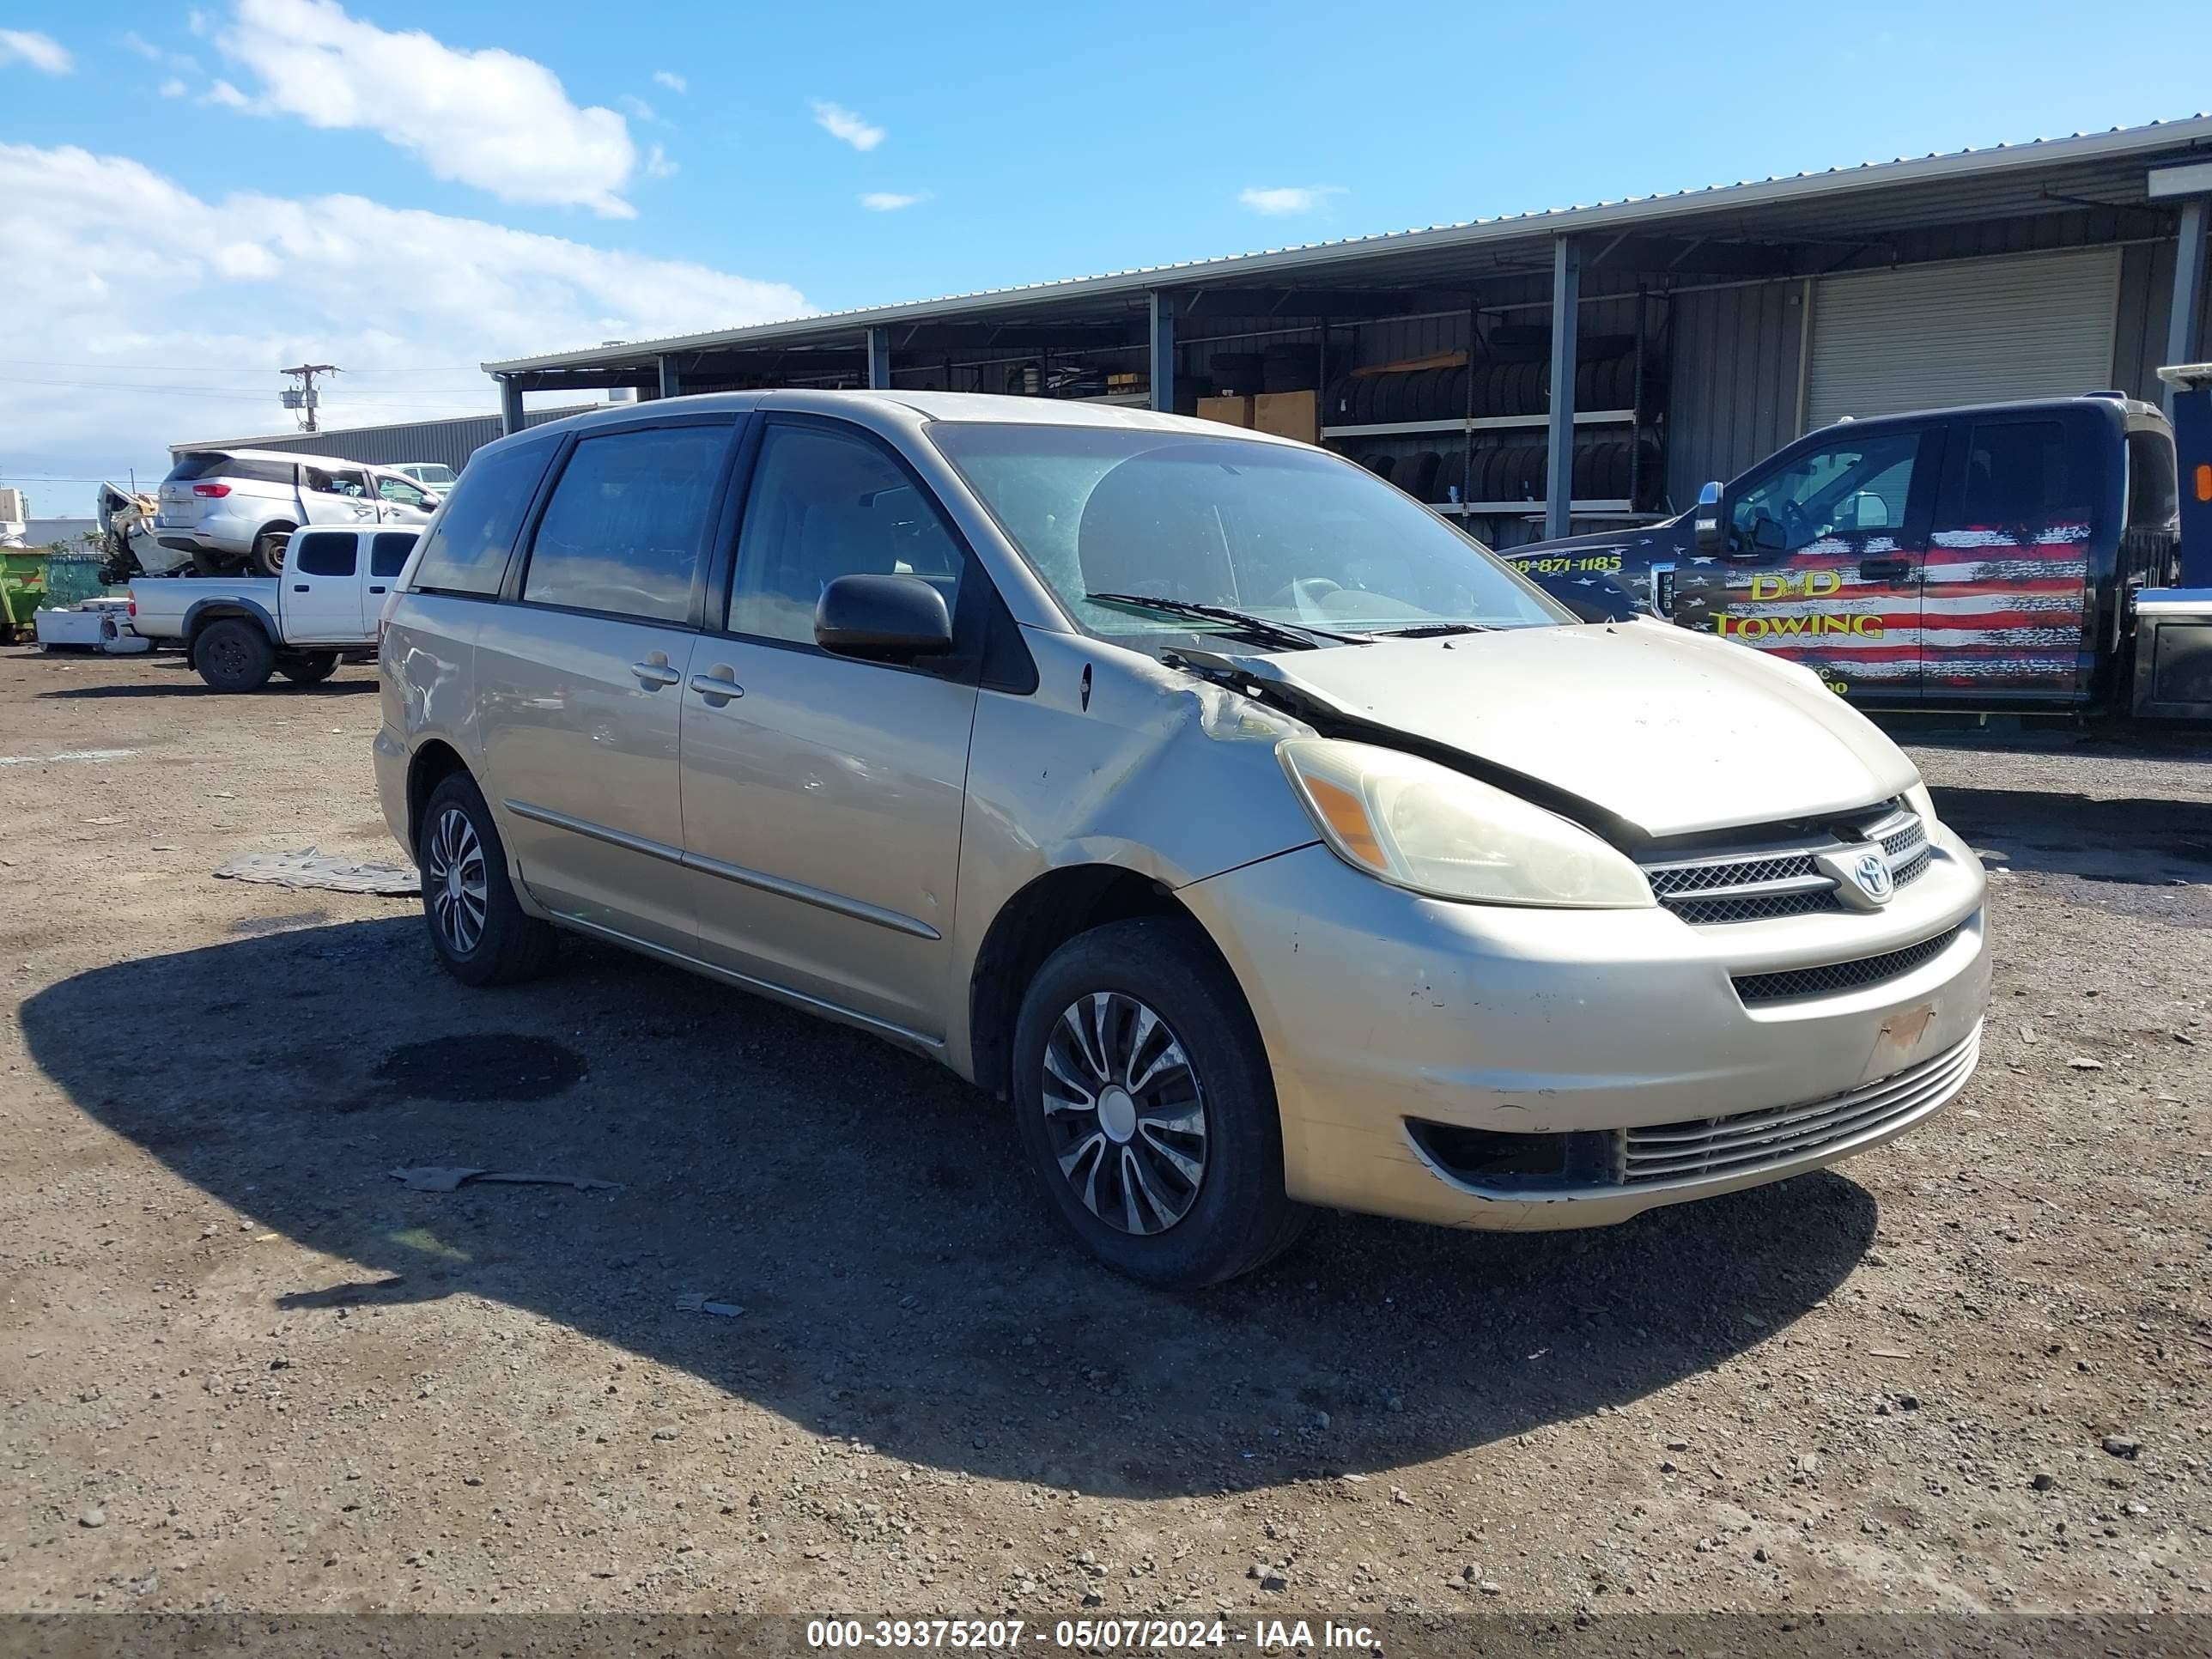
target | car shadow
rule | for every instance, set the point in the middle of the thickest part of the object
(2138, 840)
(278, 686)
(901, 1281)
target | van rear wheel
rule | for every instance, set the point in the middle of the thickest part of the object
(233, 654)
(268, 556)
(477, 926)
(1145, 1105)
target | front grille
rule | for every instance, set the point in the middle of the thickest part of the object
(1747, 1142)
(1762, 882)
(1834, 977)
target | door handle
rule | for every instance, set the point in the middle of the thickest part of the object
(376, 590)
(299, 587)
(654, 673)
(1885, 570)
(717, 688)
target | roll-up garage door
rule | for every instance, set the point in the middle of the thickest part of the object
(1971, 332)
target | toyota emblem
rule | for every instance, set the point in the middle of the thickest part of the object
(1871, 873)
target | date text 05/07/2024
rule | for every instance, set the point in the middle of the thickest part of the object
(1009, 1635)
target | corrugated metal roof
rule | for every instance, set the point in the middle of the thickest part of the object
(1802, 203)
(399, 433)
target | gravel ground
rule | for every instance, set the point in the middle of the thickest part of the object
(248, 1370)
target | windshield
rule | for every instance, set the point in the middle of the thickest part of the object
(1291, 535)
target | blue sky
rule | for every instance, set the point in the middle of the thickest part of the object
(199, 196)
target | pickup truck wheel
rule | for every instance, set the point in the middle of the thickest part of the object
(268, 556)
(233, 654)
(313, 669)
(478, 929)
(1145, 1105)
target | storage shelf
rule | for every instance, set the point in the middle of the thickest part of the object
(1480, 423)
(1507, 509)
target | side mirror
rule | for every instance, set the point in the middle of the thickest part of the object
(882, 619)
(1706, 521)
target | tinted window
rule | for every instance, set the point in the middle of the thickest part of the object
(198, 464)
(330, 554)
(400, 492)
(1849, 487)
(2025, 473)
(2153, 498)
(474, 532)
(825, 506)
(276, 472)
(329, 481)
(388, 554)
(626, 527)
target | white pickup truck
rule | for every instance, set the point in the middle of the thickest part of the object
(324, 608)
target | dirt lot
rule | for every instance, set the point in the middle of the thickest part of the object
(246, 1369)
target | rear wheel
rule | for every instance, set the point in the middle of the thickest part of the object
(268, 556)
(477, 926)
(233, 654)
(1146, 1106)
(311, 668)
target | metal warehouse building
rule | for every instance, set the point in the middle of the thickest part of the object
(1695, 332)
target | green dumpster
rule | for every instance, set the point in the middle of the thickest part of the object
(22, 591)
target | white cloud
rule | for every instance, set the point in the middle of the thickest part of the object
(672, 80)
(155, 53)
(483, 117)
(843, 125)
(1288, 198)
(173, 87)
(41, 51)
(890, 201)
(637, 108)
(129, 268)
(226, 95)
(657, 164)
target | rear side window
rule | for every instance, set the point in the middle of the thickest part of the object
(330, 553)
(626, 528)
(2154, 496)
(2026, 473)
(475, 531)
(387, 555)
(276, 472)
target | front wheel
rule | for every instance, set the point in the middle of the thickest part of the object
(1146, 1106)
(477, 926)
(311, 669)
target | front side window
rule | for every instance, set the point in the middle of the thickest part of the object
(1846, 488)
(626, 527)
(469, 541)
(400, 492)
(328, 481)
(1289, 534)
(824, 505)
(329, 554)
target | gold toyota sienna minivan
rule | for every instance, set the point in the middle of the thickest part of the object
(1261, 838)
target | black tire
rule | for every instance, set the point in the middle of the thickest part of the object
(205, 563)
(233, 654)
(1235, 1217)
(311, 669)
(267, 558)
(502, 945)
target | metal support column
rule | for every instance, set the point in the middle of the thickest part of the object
(2184, 328)
(1559, 462)
(671, 378)
(1161, 358)
(510, 406)
(879, 359)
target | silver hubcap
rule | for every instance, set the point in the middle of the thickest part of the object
(1125, 1113)
(453, 881)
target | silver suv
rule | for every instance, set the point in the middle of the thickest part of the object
(1261, 838)
(238, 508)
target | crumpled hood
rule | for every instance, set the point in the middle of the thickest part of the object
(1672, 731)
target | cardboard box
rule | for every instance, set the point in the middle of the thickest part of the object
(1288, 414)
(1232, 411)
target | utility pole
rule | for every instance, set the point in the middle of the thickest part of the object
(303, 396)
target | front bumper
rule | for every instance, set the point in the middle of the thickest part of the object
(1389, 1017)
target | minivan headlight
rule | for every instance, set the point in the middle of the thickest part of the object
(1425, 827)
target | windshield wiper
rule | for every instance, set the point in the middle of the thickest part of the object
(1431, 630)
(1298, 635)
